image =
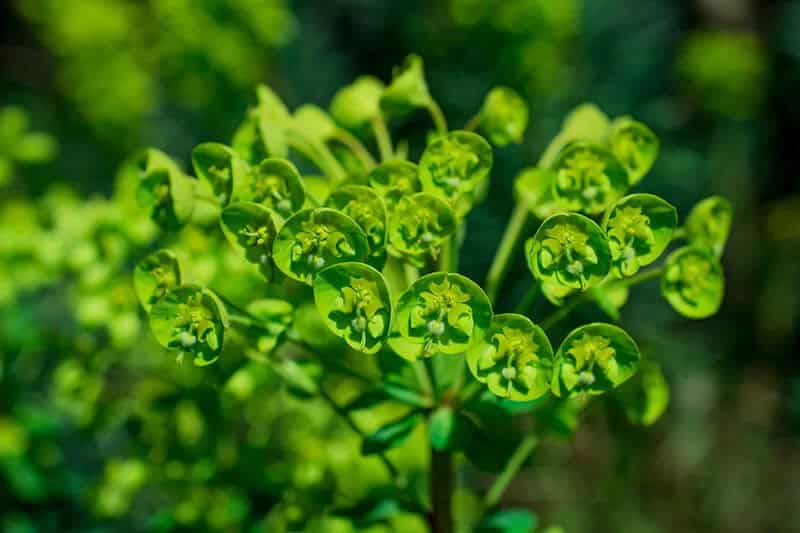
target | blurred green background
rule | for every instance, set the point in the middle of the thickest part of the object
(101, 431)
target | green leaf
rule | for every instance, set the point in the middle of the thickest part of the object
(635, 146)
(390, 435)
(454, 166)
(404, 394)
(440, 313)
(419, 225)
(274, 317)
(588, 177)
(274, 183)
(393, 180)
(639, 229)
(251, 228)
(355, 105)
(313, 239)
(594, 359)
(447, 429)
(569, 250)
(297, 376)
(646, 397)
(220, 167)
(154, 276)
(562, 417)
(408, 89)
(190, 319)
(354, 302)
(504, 116)
(693, 282)
(514, 358)
(274, 121)
(247, 141)
(509, 521)
(363, 205)
(709, 224)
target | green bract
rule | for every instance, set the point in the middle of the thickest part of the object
(709, 223)
(357, 104)
(639, 229)
(393, 180)
(693, 282)
(251, 228)
(190, 319)
(154, 275)
(514, 358)
(440, 313)
(533, 188)
(274, 183)
(164, 190)
(504, 116)
(408, 89)
(454, 166)
(646, 397)
(588, 178)
(594, 359)
(314, 123)
(363, 205)
(313, 239)
(247, 141)
(418, 226)
(274, 121)
(635, 146)
(569, 250)
(219, 166)
(354, 303)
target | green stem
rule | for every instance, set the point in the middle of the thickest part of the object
(515, 462)
(423, 378)
(441, 516)
(679, 233)
(438, 117)
(497, 271)
(382, 137)
(473, 123)
(643, 276)
(562, 312)
(431, 372)
(528, 298)
(355, 146)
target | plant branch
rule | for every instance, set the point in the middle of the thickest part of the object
(438, 117)
(441, 516)
(382, 137)
(528, 298)
(473, 123)
(355, 146)
(515, 462)
(497, 271)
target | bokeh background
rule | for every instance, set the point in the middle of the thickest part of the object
(101, 431)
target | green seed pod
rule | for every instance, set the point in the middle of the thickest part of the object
(274, 122)
(504, 116)
(251, 228)
(247, 141)
(440, 313)
(639, 229)
(274, 183)
(313, 239)
(454, 166)
(569, 250)
(154, 276)
(408, 89)
(190, 319)
(164, 190)
(709, 223)
(514, 359)
(594, 359)
(363, 205)
(355, 105)
(693, 282)
(354, 303)
(393, 180)
(588, 178)
(418, 226)
(635, 146)
(219, 166)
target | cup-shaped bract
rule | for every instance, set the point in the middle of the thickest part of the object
(635, 146)
(645, 398)
(440, 313)
(418, 226)
(355, 105)
(594, 359)
(274, 122)
(313, 239)
(219, 166)
(408, 89)
(274, 183)
(454, 166)
(251, 228)
(588, 177)
(693, 282)
(354, 303)
(504, 116)
(709, 223)
(533, 188)
(314, 123)
(514, 358)
(555, 292)
(569, 250)
(165, 191)
(639, 229)
(393, 180)
(190, 319)
(247, 141)
(154, 276)
(363, 205)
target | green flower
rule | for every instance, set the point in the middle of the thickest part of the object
(419, 224)
(439, 313)
(363, 205)
(275, 184)
(355, 105)
(588, 178)
(594, 359)
(251, 228)
(709, 224)
(504, 116)
(635, 146)
(163, 189)
(408, 89)
(693, 282)
(154, 276)
(393, 180)
(514, 359)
